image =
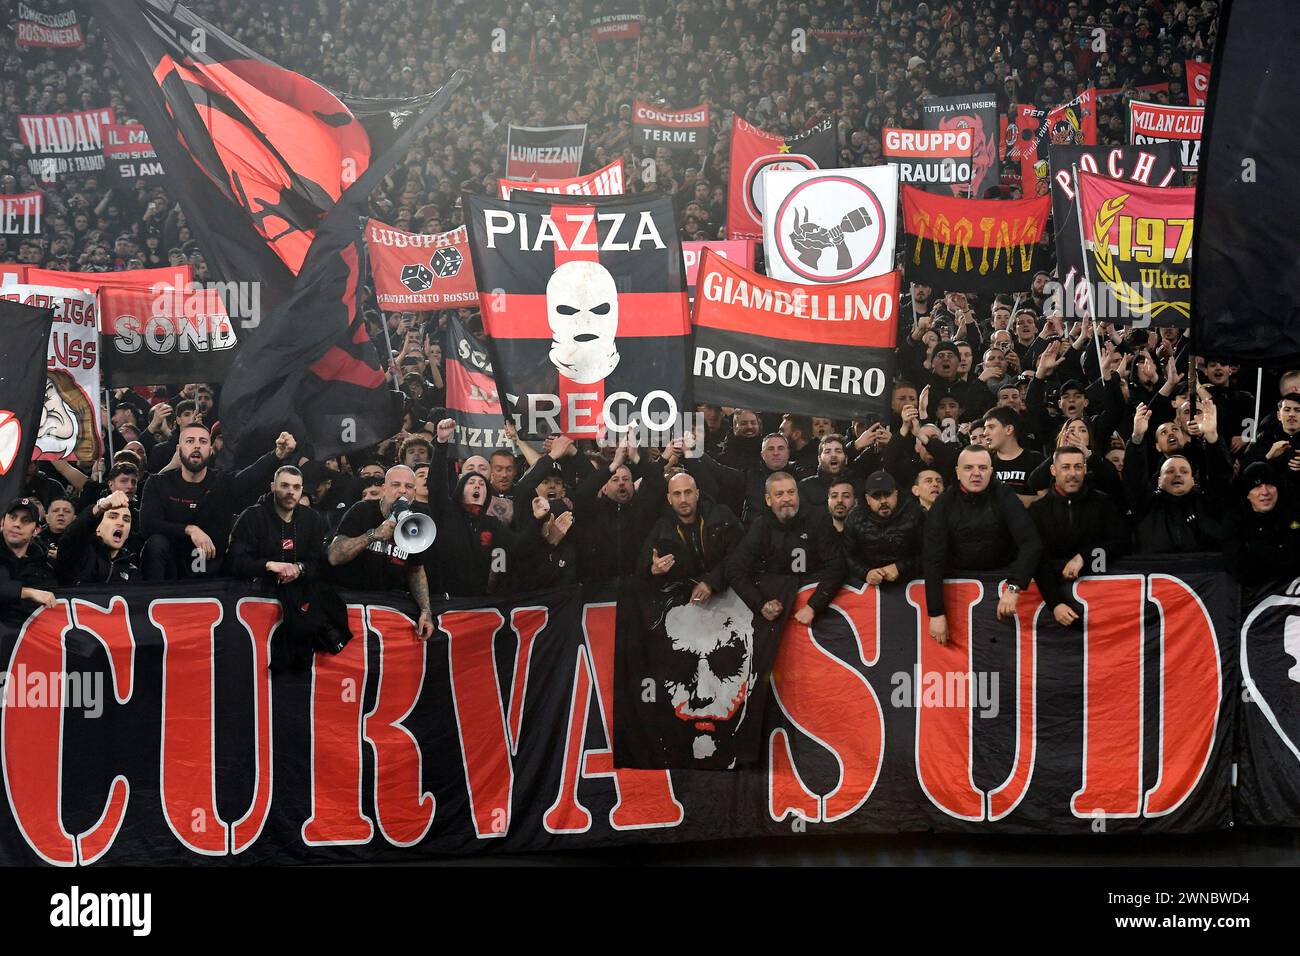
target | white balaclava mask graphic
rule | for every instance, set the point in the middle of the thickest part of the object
(582, 308)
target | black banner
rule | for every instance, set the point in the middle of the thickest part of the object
(977, 112)
(1269, 764)
(59, 143)
(24, 339)
(173, 743)
(686, 129)
(584, 303)
(128, 154)
(544, 152)
(165, 335)
(1245, 306)
(472, 395)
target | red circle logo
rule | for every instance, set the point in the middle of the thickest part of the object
(854, 240)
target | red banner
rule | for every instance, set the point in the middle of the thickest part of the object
(128, 154)
(1159, 123)
(739, 251)
(754, 152)
(1198, 82)
(606, 181)
(127, 278)
(417, 272)
(20, 214)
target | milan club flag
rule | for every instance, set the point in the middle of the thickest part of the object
(472, 395)
(24, 338)
(544, 152)
(584, 303)
(128, 155)
(1001, 731)
(823, 350)
(59, 143)
(1070, 124)
(165, 335)
(420, 272)
(36, 29)
(835, 226)
(1246, 305)
(606, 181)
(711, 665)
(1159, 123)
(977, 112)
(1198, 82)
(70, 423)
(1137, 250)
(612, 20)
(739, 251)
(975, 245)
(20, 214)
(1154, 165)
(686, 129)
(934, 160)
(754, 152)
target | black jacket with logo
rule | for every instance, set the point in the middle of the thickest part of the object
(83, 559)
(260, 535)
(1082, 524)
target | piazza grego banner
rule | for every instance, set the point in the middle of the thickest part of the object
(143, 726)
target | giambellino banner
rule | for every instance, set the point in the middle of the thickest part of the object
(935, 160)
(544, 152)
(754, 152)
(814, 350)
(420, 272)
(1159, 123)
(686, 129)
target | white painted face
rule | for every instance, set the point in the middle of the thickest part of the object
(58, 431)
(582, 309)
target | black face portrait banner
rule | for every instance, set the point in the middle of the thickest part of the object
(143, 726)
(977, 112)
(584, 303)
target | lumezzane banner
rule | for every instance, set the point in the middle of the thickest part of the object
(143, 726)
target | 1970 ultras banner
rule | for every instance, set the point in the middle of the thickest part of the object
(175, 745)
(812, 349)
(977, 245)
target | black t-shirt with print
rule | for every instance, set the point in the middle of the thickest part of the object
(382, 566)
(1015, 472)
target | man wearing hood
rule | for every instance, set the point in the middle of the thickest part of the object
(93, 549)
(882, 542)
(1265, 544)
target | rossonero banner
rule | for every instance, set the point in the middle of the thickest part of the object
(65, 142)
(128, 154)
(1137, 250)
(686, 129)
(830, 226)
(57, 29)
(544, 152)
(165, 335)
(420, 272)
(754, 152)
(20, 214)
(935, 160)
(809, 349)
(606, 181)
(977, 112)
(137, 725)
(1160, 123)
(739, 251)
(584, 304)
(978, 245)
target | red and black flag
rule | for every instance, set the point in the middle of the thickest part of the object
(24, 339)
(584, 303)
(976, 245)
(472, 395)
(754, 151)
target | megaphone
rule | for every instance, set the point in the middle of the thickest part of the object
(415, 531)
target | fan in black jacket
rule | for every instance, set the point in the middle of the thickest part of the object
(93, 549)
(1264, 546)
(882, 542)
(612, 516)
(1082, 529)
(693, 542)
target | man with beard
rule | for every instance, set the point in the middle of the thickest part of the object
(185, 513)
(25, 577)
(798, 433)
(502, 473)
(882, 542)
(1082, 530)
(365, 557)
(187, 413)
(741, 448)
(614, 517)
(787, 541)
(977, 525)
(744, 487)
(832, 466)
(693, 542)
(841, 499)
(94, 548)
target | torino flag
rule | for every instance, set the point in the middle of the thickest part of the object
(1137, 249)
(833, 226)
(606, 181)
(935, 160)
(472, 396)
(1158, 123)
(977, 112)
(754, 152)
(544, 152)
(686, 129)
(420, 272)
(824, 350)
(585, 304)
(975, 245)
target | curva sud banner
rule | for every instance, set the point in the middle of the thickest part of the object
(686, 129)
(60, 143)
(165, 335)
(420, 272)
(754, 152)
(935, 160)
(830, 226)
(584, 303)
(606, 181)
(144, 727)
(977, 112)
(544, 152)
(814, 350)
(1159, 123)
(979, 245)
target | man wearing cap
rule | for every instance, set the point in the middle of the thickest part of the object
(945, 363)
(977, 525)
(1264, 546)
(882, 542)
(25, 577)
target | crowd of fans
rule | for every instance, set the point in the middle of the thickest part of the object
(1015, 442)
